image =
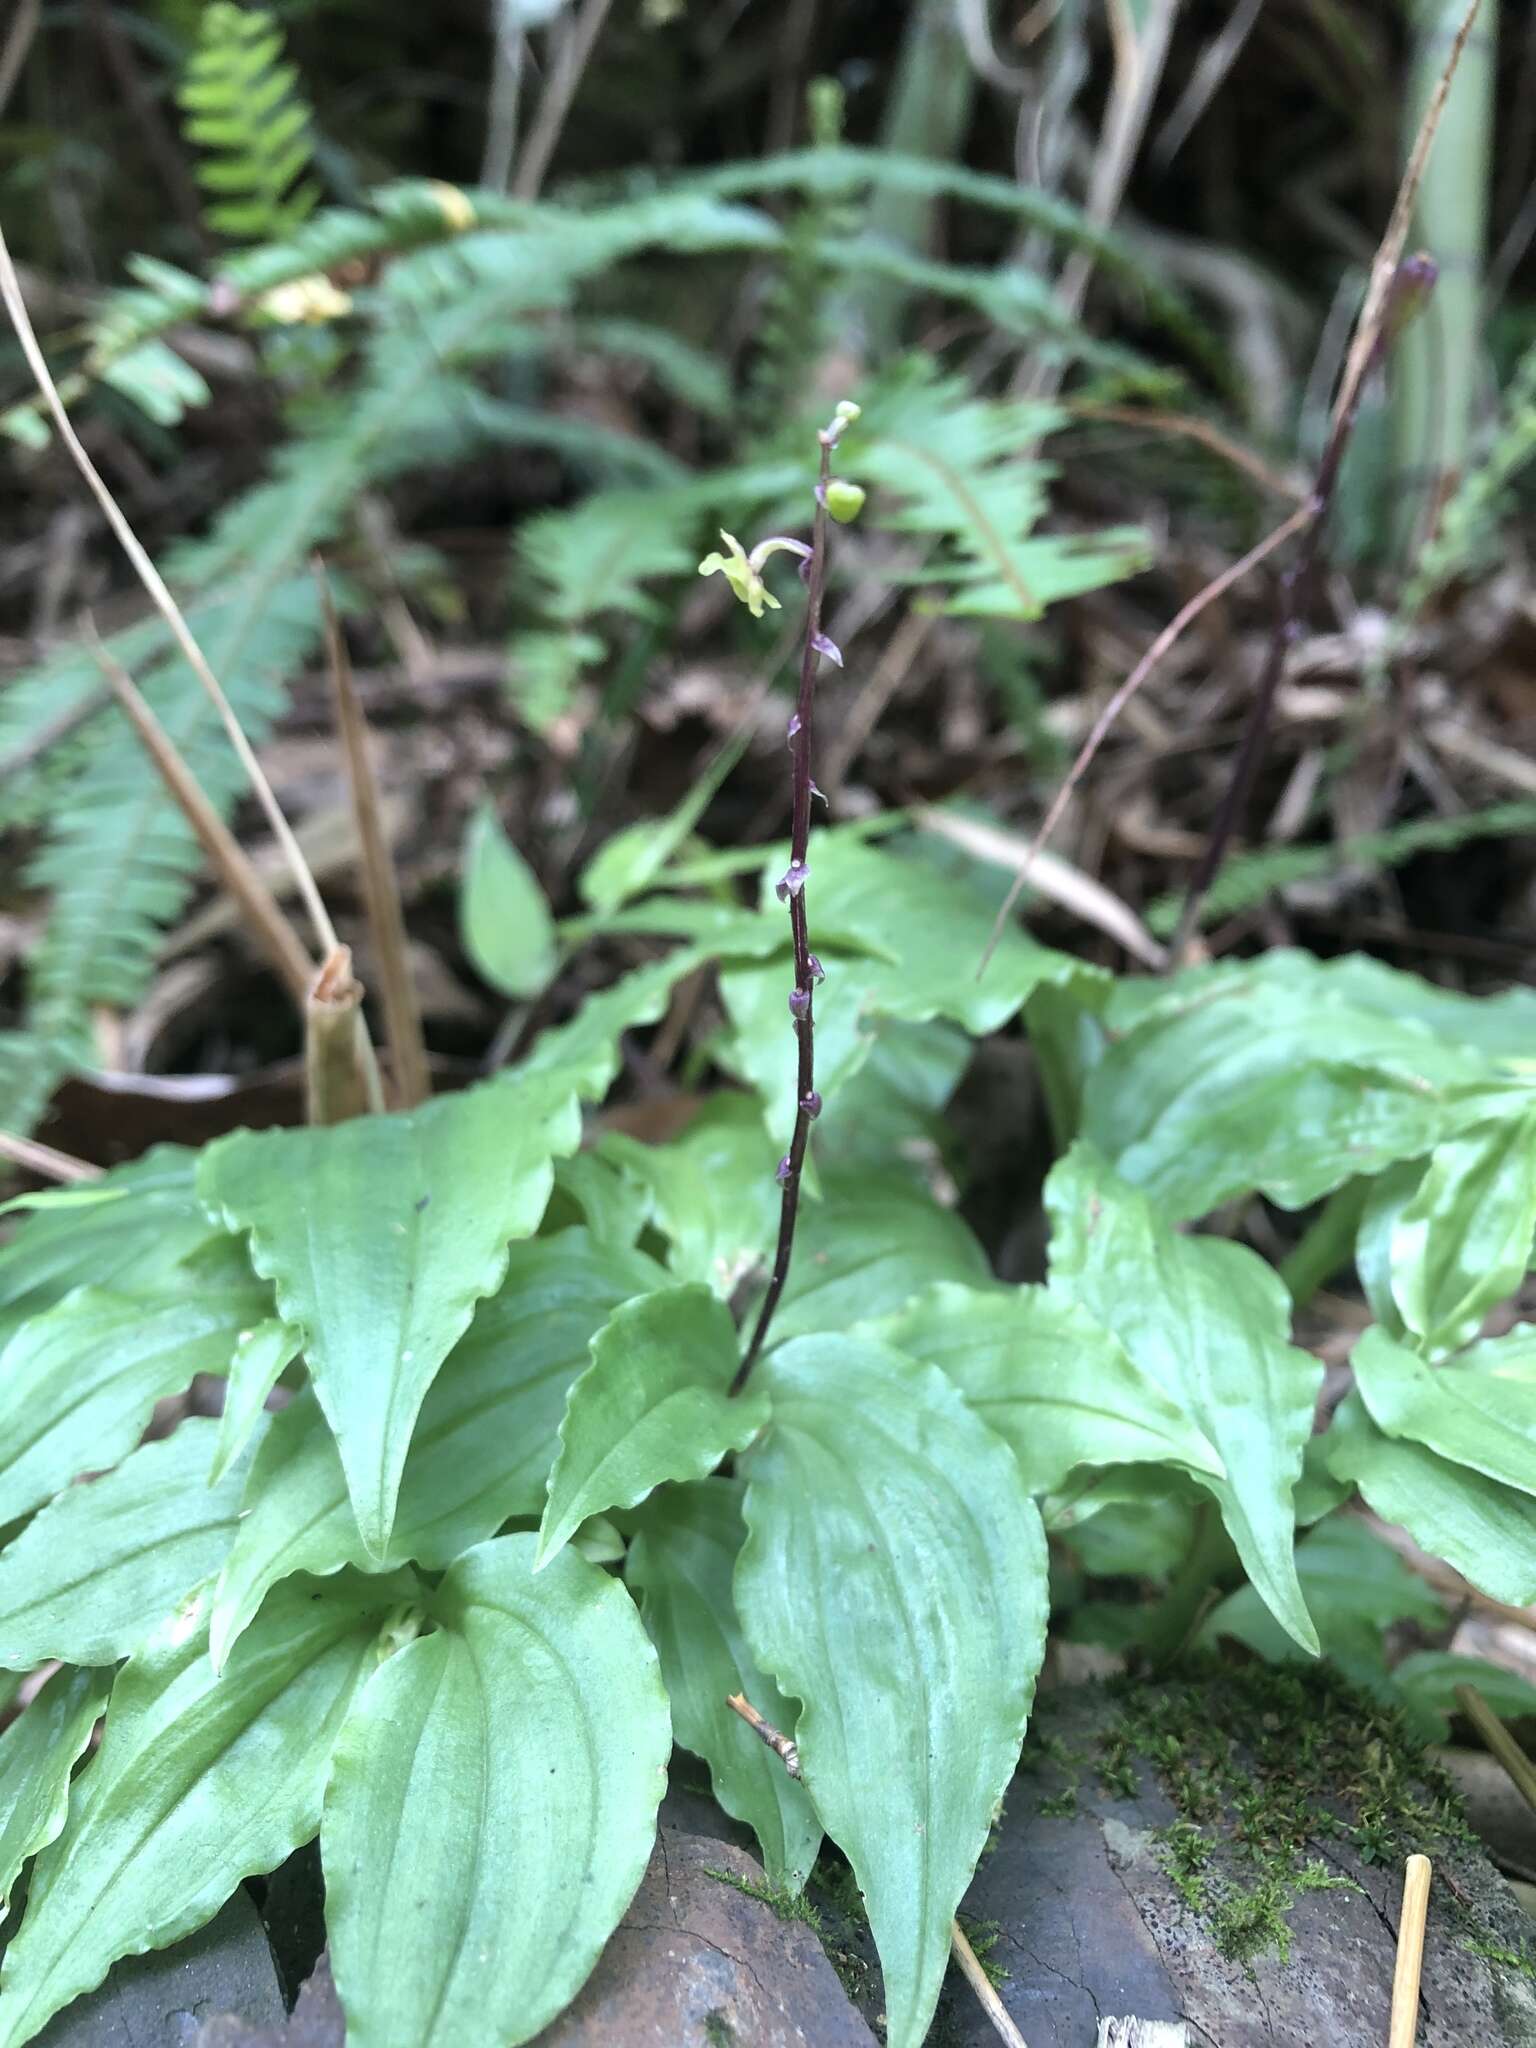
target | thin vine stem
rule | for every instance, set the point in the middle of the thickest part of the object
(1411, 285)
(808, 970)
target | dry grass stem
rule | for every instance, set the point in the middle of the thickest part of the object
(1500, 1743)
(165, 604)
(381, 887)
(1160, 647)
(1410, 1953)
(273, 934)
(44, 1161)
(341, 1075)
(985, 1990)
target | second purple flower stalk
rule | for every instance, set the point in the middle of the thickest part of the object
(840, 500)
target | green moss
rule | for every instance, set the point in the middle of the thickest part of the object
(1522, 1959)
(786, 1905)
(1262, 1762)
(718, 2031)
(1060, 1806)
(983, 1936)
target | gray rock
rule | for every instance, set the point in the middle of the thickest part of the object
(317, 2022)
(1091, 1924)
(696, 1963)
(161, 2000)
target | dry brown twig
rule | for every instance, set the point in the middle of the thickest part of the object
(45, 1161)
(1306, 520)
(269, 927)
(381, 887)
(788, 1754)
(985, 1990)
(160, 596)
(1410, 1953)
(1165, 640)
(1518, 1766)
(782, 1745)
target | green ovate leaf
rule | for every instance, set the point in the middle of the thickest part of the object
(923, 936)
(1272, 1075)
(142, 1223)
(261, 1357)
(1462, 1241)
(894, 1582)
(1478, 1411)
(380, 1235)
(91, 1575)
(1485, 1530)
(37, 1754)
(199, 1782)
(866, 1248)
(711, 1192)
(1425, 1686)
(1208, 1321)
(1054, 1384)
(492, 1805)
(654, 1404)
(82, 1380)
(504, 919)
(589, 1046)
(682, 1560)
(483, 1445)
(1356, 1587)
(632, 859)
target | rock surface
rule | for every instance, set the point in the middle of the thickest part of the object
(695, 1963)
(1091, 1925)
(698, 1964)
(161, 2000)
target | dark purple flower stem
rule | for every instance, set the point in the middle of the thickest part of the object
(802, 1004)
(1411, 285)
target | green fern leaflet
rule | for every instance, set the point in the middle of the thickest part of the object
(245, 112)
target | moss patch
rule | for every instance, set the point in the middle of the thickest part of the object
(1263, 1763)
(784, 1904)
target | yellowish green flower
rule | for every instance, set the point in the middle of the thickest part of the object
(744, 572)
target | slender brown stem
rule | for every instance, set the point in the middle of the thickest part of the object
(1522, 1772)
(226, 856)
(381, 887)
(46, 1161)
(802, 1002)
(1404, 2024)
(1293, 602)
(782, 1745)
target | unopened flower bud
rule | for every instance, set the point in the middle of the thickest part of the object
(799, 1003)
(845, 501)
(811, 1104)
(782, 1171)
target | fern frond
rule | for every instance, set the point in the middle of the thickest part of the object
(848, 171)
(120, 859)
(596, 556)
(958, 473)
(244, 109)
(1247, 878)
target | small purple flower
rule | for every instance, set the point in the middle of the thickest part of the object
(799, 1003)
(811, 1104)
(818, 792)
(782, 1172)
(794, 879)
(818, 972)
(792, 730)
(824, 644)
